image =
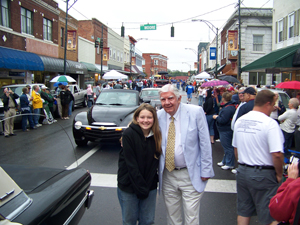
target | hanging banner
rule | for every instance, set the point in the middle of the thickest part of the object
(133, 61)
(212, 53)
(71, 40)
(195, 65)
(105, 54)
(232, 40)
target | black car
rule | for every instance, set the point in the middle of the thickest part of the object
(107, 118)
(35, 195)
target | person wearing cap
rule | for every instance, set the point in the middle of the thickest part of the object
(26, 110)
(249, 96)
(37, 104)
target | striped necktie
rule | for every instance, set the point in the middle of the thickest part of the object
(170, 150)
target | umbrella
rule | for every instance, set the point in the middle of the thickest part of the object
(289, 85)
(229, 79)
(62, 78)
(215, 83)
(63, 83)
(162, 73)
(157, 75)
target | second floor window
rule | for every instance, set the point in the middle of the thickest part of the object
(257, 43)
(47, 28)
(4, 13)
(26, 21)
(280, 30)
(156, 62)
(62, 33)
(291, 23)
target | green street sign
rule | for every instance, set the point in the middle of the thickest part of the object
(148, 27)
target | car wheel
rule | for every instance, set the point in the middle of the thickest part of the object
(84, 103)
(81, 142)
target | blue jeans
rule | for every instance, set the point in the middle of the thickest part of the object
(70, 108)
(210, 123)
(25, 118)
(226, 140)
(288, 140)
(36, 117)
(90, 102)
(200, 102)
(134, 209)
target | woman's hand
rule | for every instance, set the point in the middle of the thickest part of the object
(293, 171)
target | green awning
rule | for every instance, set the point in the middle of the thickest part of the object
(281, 59)
(91, 67)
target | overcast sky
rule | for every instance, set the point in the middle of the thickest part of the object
(163, 13)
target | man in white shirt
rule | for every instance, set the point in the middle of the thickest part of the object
(258, 143)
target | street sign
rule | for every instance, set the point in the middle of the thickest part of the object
(213, 51)
(148, 27)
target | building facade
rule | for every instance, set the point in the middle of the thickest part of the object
(116, 51)
(154, 63)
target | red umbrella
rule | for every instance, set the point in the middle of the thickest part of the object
(289, 85)
(214, 83)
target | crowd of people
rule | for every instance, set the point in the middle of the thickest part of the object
(247, 124)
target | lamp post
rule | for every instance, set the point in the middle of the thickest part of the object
(197, 57)
(212, 27)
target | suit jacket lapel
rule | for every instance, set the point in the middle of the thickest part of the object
(184, 123)
(163, 128)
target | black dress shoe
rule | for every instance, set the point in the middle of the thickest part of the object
(7, 136)
(12, 135)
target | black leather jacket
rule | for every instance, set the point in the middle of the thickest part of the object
(5, 100)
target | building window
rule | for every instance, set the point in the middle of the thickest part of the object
(257, 43)
(26, 21)
(280, 30)
(156, 62)
(62, 36)
(121, 57)
(47, 28)
(4, 13)
(110, 53)
(291, 24)
(114, 54)
(118, 56)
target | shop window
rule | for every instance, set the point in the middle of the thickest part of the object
(262, 78)
(4, 13)
(280, 30)
(253, 78)
(47, 29)
(257, 43)
(291, 23)
(26, 21)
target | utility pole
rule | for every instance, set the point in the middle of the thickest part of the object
(239, 59)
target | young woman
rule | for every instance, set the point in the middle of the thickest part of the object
(138, 165)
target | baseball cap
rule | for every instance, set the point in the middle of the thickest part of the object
(43, 87)
(230, 89)
(249, 90)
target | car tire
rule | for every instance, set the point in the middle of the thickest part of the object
(81, 142)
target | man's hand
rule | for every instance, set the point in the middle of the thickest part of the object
(204, 178)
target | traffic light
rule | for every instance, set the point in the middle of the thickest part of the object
(96, 43)
(101, 43)
(122, 31)
(172, 31)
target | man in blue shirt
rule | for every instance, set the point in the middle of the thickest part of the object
(189, 90)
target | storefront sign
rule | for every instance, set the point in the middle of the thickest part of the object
(233, 40)
(71, 40)
(105, 54)
(16, 74)
(133, 61)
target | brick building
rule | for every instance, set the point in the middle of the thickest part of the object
(154, 63)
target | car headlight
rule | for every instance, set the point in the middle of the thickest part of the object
(77, 125)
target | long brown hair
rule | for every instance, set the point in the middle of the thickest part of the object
(155, 126)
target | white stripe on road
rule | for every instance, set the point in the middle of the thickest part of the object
(83, 158)
(213, 185)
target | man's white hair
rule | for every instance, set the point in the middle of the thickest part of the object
(170, 87)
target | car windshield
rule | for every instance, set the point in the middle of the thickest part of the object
(150, 93)
(117, 98)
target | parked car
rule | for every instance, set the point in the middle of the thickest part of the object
(16, 88)
(35, 195)
(151, 96)
(161, 83)
(80, 97)
(107, 118)
(283, 97)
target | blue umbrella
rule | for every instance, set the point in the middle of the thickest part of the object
(63, 83)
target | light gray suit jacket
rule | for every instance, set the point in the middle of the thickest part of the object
(195, 142)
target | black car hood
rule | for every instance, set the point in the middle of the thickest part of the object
(111, 114)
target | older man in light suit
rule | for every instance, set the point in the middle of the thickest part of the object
(186, 160)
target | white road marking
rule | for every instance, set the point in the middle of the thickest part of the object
(213, 185)
(83, 158)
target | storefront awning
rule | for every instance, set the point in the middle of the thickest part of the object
(53, 64)
(281, 59)
(134, 68)
(20, 60)
(91, 67)
(76, 67)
